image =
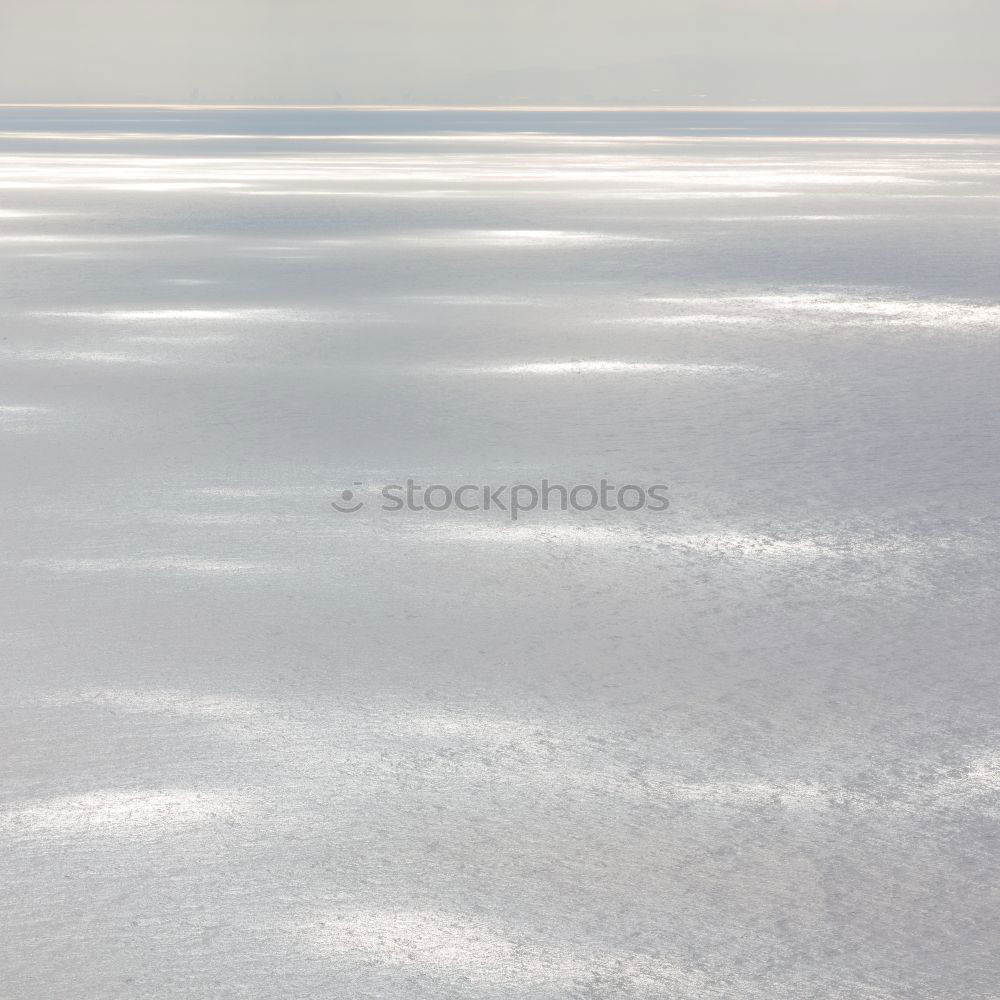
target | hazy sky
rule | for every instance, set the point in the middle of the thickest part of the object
(517, 51)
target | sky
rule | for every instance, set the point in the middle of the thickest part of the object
(714, 52)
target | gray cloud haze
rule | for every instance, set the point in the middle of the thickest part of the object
(924, 52)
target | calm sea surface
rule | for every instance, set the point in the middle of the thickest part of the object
(746, 747)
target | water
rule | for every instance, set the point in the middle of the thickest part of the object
(746, 746)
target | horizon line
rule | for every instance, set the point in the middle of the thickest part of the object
(187, 106)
